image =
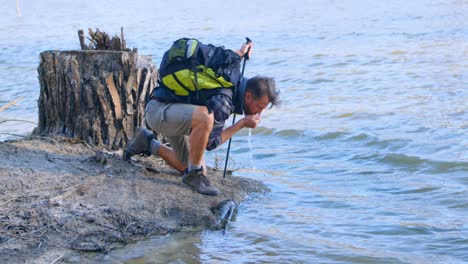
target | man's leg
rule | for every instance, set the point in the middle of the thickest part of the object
(169, 155)
(169, 120)
(176, 121)
(180, 152)
(202, 123)
(144, 142)
(186, 127)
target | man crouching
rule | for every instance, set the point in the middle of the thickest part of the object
(191, 116)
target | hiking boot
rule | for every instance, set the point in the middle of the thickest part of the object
(140, 144)
(199, 182)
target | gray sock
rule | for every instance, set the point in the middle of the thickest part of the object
(154, 146)
(194, 167)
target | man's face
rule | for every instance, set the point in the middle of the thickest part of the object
(254, 106)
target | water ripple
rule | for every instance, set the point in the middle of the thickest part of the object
(417, 190)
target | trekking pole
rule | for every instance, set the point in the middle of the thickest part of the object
(246, 57)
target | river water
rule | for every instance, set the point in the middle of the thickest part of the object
(367, 158)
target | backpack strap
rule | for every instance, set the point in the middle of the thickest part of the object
(195, 73)
(180, 83)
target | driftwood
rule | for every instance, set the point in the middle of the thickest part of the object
(96, 96)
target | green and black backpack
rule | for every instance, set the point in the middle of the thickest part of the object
(190, 67)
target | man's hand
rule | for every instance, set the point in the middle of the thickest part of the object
(251, 121)
(245, 47)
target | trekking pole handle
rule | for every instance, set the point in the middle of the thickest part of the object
(246, 55)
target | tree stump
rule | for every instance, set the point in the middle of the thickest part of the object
(94, 95)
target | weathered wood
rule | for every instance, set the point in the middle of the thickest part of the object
(124, 43)
(81, 37)
(96, 96)
(101, 41)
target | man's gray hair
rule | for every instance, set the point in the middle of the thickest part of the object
(260, 86)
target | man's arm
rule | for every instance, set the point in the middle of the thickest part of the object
(221, 107)
(250, 121)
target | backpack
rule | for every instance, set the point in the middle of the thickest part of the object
(190, 66)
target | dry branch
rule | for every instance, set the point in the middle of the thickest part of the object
(11, 103)
(17, 120)
(100, 40)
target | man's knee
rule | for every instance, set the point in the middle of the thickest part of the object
(202, 118)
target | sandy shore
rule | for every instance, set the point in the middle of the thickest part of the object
(59, 198)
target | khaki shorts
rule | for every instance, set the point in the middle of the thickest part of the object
(174, 122)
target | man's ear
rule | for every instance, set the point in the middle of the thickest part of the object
(248, 96)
